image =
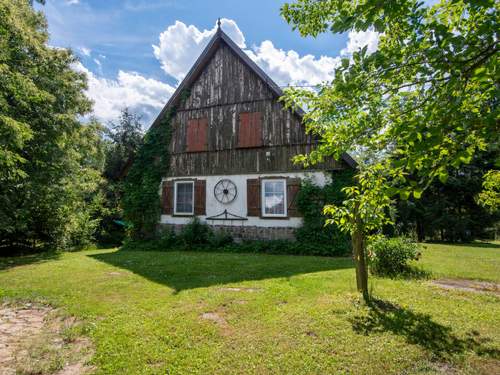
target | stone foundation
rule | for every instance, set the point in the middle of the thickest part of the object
(240, 233)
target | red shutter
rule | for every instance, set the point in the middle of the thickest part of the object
(202, 134)
(167, 198)
(192, 126)
(250, 129)
(253, 197)
(197, 135)
(243, 129)
(292, 190)
(200, 197)
(256, 137)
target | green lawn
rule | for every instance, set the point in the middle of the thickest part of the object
(284, 315)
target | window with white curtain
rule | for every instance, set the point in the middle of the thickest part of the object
(274, 197)
(184, 197)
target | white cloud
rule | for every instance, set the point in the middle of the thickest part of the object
(72, 2)
(288, 67)
(144, 96)
(358, 39)
(180, 45)
(86, 51)
(178, 48)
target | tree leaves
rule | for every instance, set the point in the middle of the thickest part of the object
(427, 99)
(49, 161)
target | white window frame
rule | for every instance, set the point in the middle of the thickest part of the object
(263, 194)
(175, 197)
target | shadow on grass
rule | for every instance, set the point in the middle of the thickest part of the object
(420, 329)
(189, 270)
(21, 260)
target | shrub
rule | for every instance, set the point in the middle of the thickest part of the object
(219, 239)
(390, 256)
(195, 233)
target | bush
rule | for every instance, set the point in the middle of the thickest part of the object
(198, 236)
(195, 233)
(390, 256)
(219, 239)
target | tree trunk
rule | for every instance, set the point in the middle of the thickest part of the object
(358, 247)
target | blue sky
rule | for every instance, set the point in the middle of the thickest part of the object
(115, 41)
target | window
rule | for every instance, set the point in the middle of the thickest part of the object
(274, 198)
(184, 193)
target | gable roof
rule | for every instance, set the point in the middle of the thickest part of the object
(200, 63)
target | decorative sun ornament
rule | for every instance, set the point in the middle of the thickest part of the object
(225, 191)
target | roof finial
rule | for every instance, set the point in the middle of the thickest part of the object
(218, 23)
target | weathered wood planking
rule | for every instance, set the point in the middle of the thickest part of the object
(225, 88)
(244, 160)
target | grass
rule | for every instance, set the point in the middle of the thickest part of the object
(207, 313)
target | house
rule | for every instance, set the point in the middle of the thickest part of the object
(231, 147)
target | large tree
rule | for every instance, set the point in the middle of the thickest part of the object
(123, 140)
(49, 161)
(426, 100)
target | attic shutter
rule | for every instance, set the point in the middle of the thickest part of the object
(256, 129)
(200, 197)
(196, 135)
(292, 190)
(253, 197)
(167, 198)
(250, 129)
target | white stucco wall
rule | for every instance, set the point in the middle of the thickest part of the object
(239, 205)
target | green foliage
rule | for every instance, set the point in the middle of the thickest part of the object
(449, 211)
(390, 256)
(427, 99)
(50, 163)
(141, 201)
(489, 197)
(311, 199)
(198, 236)
(195, 233)
(123, 139)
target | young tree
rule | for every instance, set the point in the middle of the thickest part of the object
(426, 100)
(49, 161)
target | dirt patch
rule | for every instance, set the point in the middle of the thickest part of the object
(114, 273)
(219, 320)
(468, 285)
(235, 289)
(486, 366)
(34, 339)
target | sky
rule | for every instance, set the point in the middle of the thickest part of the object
(136, 52)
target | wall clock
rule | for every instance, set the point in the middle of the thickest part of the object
(225, 191)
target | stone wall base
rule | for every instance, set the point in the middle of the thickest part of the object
(240, 233)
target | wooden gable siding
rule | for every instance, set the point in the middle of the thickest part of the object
(225, 80)
(226, 88)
